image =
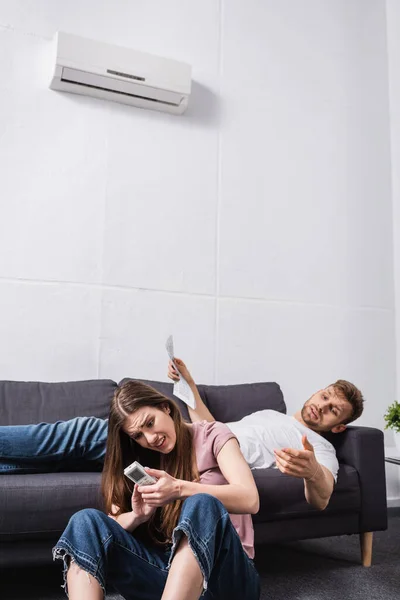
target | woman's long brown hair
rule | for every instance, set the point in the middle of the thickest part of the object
(121, 451)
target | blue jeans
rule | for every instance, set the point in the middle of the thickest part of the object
(46, 447)
(100, 546)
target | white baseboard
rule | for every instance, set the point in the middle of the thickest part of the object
(393, 502)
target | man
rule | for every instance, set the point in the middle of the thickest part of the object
(268, 437)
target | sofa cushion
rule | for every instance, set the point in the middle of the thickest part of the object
(34, 506)
(233, 402)
(39, 505)
(282, 496)
(24, 402)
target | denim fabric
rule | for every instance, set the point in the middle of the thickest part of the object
(100, 546)
(48, 447)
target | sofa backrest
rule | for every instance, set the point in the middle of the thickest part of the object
(233, 402)
(25, 402)
(228, 402)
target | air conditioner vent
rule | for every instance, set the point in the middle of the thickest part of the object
(97, 87)
(127, 75)
(129, 89)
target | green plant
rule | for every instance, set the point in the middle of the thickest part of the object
(392, 417)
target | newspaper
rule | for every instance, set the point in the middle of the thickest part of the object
(181, 388)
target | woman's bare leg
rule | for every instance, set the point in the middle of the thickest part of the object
(185, 579)
(81, 585)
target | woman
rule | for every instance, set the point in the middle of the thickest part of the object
(190, 532)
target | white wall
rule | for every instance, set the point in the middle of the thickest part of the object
(257, 227)
(393, 45)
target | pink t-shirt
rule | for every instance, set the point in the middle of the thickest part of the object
(208, 439)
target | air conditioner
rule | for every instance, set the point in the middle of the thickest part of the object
(124, 75)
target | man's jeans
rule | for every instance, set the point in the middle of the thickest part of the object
(46, 447)
(100, 546)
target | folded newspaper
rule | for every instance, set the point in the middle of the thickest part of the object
(181, 388)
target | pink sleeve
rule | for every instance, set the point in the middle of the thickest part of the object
(217, 434)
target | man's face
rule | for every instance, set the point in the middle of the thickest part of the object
(325, 411)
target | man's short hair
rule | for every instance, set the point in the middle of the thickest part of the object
(352, 394)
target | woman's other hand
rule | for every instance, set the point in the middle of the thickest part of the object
(141, 510)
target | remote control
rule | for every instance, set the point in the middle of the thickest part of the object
(138, 475)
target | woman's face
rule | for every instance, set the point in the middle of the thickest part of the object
(152, 428)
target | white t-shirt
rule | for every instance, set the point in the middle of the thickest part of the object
(262, 432)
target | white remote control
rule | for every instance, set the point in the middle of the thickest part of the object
(138, 475)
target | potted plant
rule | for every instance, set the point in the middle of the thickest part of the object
(392, 418)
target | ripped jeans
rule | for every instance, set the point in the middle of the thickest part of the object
(112, 555)
(77, 444)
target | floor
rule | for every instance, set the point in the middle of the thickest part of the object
(309, 570)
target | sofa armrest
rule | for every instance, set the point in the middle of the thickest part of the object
(363, 449)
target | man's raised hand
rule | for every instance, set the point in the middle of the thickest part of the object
(306, 444)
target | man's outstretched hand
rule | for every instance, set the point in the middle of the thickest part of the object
(298, 463)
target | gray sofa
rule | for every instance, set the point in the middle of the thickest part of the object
(34, 508)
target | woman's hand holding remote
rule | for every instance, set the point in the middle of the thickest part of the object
(166, 490)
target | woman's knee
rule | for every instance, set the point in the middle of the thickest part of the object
(87, 521)
(204, 508)
(205, 500)
(88, 514)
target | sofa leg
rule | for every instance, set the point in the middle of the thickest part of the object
(366, 548)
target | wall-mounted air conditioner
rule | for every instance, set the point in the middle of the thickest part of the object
(124, 75)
